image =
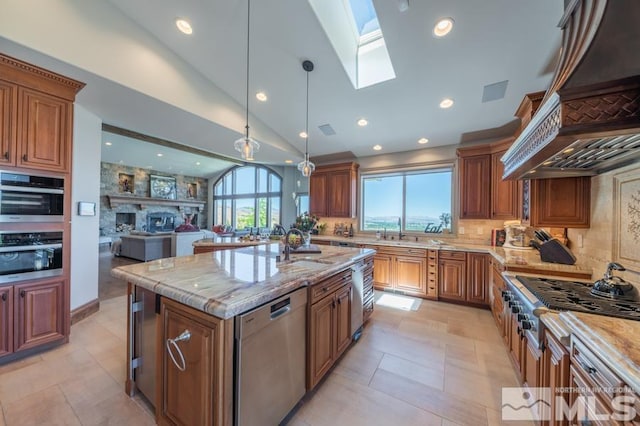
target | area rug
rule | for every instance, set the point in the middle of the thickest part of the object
(397, 301)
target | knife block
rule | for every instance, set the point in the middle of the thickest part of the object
(554, 251)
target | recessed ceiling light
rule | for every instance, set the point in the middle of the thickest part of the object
(288, 161)
(261, 96)
(446, 103)
(362, 122)
(568, 150)
(159, 154)
(184, 26)
(377, 147)
(303, 135)
(443, 27)
(422, 141)
(197, 163)
(108, 143)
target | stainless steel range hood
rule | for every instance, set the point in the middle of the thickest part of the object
(589, 120)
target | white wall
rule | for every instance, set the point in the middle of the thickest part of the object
(86, 187)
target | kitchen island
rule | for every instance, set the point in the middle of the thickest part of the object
(206, 245)
(183, 312)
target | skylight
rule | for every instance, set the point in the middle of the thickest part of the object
(353, 29)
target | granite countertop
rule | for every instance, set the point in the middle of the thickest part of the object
(554, 323)
(509, 258)
(228, 241)
(229, 282)
(614, 340)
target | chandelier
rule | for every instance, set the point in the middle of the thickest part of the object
(306, 166)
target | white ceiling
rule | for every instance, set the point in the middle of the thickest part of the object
(492, 41)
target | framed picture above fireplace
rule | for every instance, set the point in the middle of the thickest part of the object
(162, 187)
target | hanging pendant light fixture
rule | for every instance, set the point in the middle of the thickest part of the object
(247, 145)
(306, 166)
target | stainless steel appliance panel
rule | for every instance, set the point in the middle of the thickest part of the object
(270, 360)
(32, 255)
(145, 333)
(31, 198)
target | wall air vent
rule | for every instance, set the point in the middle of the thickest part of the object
(495, 91)
(327, 130)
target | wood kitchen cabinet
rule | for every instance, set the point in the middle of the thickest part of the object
(190, 392)
(329, 325)
(560, 202)
(478, 278)
(38, 313)
(483, 193)
(332, 190)
(555, 374)
(6, 320)
(517, 342)
(402, 269)
(452, 275)
(432, 274)
(497, 303)
(8, 123)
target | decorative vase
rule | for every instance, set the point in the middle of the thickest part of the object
(306, 235)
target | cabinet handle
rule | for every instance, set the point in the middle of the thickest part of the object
(24, 157)
(325, 289)
(184, 336)
(339, 301)
(4, 297)
(333, 304)
(6, 155)
(21, 293)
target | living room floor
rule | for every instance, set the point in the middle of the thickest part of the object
(441, 364)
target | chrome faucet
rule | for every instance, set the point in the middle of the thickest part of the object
(287, 246)
(400, 234)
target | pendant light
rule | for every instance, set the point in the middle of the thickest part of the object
(306, 166)
(246, 145)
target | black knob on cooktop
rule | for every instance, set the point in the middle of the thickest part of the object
(516, 309)
(526, 325)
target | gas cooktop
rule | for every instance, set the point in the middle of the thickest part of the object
(562, 295)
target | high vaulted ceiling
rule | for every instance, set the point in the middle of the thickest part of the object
(492, 41)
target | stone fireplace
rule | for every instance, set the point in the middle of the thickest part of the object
(125, 222)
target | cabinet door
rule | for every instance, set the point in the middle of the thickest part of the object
(516, 347)
(343, 320)
(318, 194)
(561, 202)
(451, 279)
(39, 314)
(411, 275)
(382, 271)
(322, 339)
(188, 397)
(44, 123)
(478, 278)
(6, 320)
(339, 194)
(555, 374)
(475, 184)
(8, 106)
(504, 193)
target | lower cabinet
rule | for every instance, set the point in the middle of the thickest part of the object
(517, 342)
(402, 269)
(555, 376)
(329, 330)
(496, 301)
(191, 366)
(31, 315)
(463, 277)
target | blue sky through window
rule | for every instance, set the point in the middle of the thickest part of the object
(365, 16)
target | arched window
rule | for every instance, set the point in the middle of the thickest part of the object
(248, 196)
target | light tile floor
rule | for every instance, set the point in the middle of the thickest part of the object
(440, 365)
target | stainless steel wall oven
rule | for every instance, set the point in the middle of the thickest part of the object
(29, 255)
(31, 198)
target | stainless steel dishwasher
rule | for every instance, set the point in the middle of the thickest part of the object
(270, 360)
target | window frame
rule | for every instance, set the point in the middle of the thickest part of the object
(404, 172)
(256, 196)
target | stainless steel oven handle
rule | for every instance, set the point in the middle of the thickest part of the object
(29, 189)
(28, 248)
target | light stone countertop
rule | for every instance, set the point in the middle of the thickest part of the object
(229, 282)
(615, 341)
(228, 241)
(557, 327)
(509, 258)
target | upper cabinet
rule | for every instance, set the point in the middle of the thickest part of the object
(483, 193)
(36, 116)
(332, 190)
(561, 202)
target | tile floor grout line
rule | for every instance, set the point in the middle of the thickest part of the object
(64, 395)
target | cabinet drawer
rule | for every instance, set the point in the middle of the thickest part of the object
(401, 251)
(328, 286)
(593, 370)
(595, 407)
(453, 255)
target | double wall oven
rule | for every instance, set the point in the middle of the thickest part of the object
(31, 239)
